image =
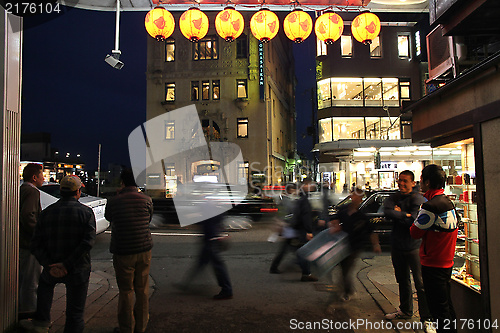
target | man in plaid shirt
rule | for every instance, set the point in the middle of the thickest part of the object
(62, 240)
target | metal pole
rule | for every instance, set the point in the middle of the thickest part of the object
(117, 30)
(98, 169)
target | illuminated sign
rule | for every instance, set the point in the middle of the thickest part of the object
(418, 48)
(261, 70)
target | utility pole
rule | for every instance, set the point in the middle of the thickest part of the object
(98, 169)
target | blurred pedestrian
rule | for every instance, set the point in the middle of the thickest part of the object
(63, 238)
(303, 224)
(402, 208)
(213, 243)
(285, 212)
(355, 223)
(436, 225)
(29, 210)
(129, 214)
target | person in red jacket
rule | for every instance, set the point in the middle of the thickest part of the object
(436, 224)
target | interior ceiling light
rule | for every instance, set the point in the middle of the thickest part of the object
(365, 27)
(297, 25)
(229, 24)
(194, 24)
(264, 25)
(329, 27)
(160, 23)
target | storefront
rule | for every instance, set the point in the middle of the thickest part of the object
(466, 113)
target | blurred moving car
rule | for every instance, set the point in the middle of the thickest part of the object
(373, 207)
(50, 193)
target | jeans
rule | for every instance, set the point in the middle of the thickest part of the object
(404, 262)
(132, 277)
(210, 252)
(77, 285)
(29, 274)
(437, 290)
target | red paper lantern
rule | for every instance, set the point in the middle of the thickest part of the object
(194, 24)
(365, 27)
(329, 27)
(229, 24)
(297, 25)
(159, 23)
(264, 25)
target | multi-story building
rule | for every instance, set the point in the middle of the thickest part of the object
(362, 135)
(462, 109)
(243, 92)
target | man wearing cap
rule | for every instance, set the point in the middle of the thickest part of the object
(62, 240)
(129, 213)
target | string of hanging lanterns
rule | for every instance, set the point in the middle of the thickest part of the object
(264, 25)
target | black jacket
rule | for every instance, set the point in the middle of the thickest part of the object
(129, 214)
(303, 217)
(409, 203)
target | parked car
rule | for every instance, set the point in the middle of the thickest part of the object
(373, 207)
(50, 193)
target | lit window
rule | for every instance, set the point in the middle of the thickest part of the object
(195, 90)
(242, 46)
(205, 90)
(390, 92)
(403, 46)
(169, 169)
(170, 92)
(347, 91)
(405, 90)
(216, 89)
(169, 50)
(325, 130)
(206, 49)
(241, 89)
(346, 46)
(169, 130)
(242, 126)
(375, 48)
(373, 91)
(243, 173)
(348, 128)
(320, 48)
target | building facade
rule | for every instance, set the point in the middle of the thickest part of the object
(243, 92)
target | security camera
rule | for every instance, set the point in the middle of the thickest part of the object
(113, 59)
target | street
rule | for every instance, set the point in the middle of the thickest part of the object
(262, 302)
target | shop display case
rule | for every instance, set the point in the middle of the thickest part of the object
(466, 268)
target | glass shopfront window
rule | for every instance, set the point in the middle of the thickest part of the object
(360, 92)
(348, 128)
(370, 128)
(325, 130)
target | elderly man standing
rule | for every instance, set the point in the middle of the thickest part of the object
(29, 210)
(129, 214)
(63, 238)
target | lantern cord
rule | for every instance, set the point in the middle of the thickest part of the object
(117, 28)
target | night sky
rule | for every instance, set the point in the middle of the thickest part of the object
(71, 93)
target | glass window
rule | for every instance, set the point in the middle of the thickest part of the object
(169, 130)
(169, 50)
(389, 128)
(348, 128)
(390, 92)
(347, 91)
(324, 94)
(205, 90)
(375, 48)
(242, 46)
(405, 90)
(215, 89)
(346, 46)
(170, 92)
(320, 48)
(241, 89)
(242, 126)
(195, 90)
(373, 128)
(325, 130)
(373, 91)
(206, 49)
(243, 173)
(404, 46)
(169, 169)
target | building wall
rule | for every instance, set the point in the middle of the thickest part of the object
(263, 127)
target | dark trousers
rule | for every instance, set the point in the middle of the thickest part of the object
(286, 245)
(437, 290)
(404, 262)
(347, 266)
(76, 294)
(210, 252)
